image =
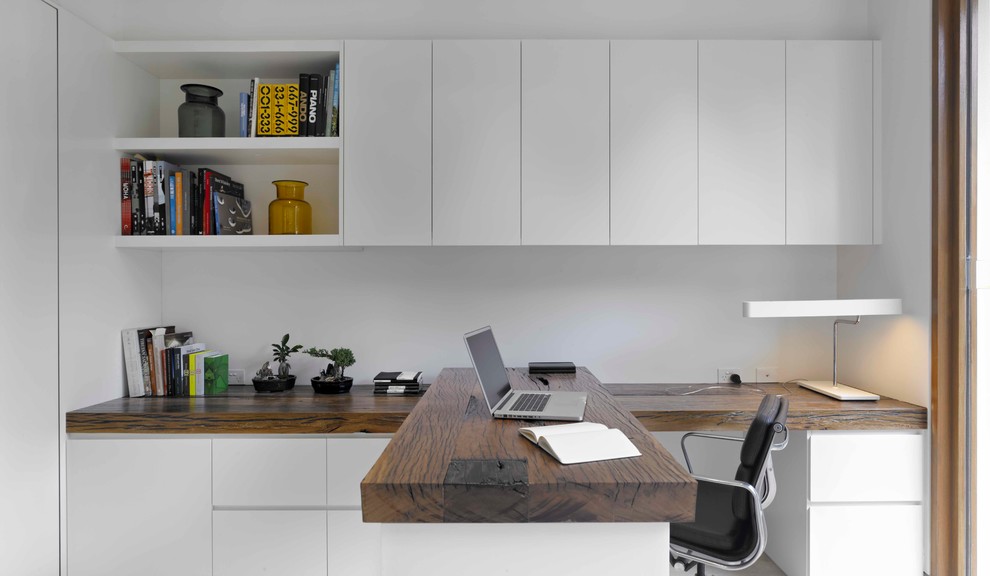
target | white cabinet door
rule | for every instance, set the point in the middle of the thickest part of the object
(829, 142)
(741, 142)
(476, 142)
(654, 142)
(355, 548)
(565, 128)
(866, 467)
(268, 542)
(863, 540)
(29, 291)
(348, 462)
(254, 472)
(138, 507)
(386, 148)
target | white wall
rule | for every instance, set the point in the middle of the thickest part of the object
(630, 314)
(892, 355)
(29, 432)
(129, 19)
(101, 289)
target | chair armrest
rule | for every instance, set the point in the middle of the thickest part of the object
(687, 459)
(736, 483)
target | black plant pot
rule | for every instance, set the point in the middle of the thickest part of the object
(274, 385)
(323, 387)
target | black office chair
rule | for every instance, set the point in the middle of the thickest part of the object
(729, 530)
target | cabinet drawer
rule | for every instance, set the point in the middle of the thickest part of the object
(265, 542)
(355, 547)
(269, 472)
(348, 461)
(876, 467)
(865, 539)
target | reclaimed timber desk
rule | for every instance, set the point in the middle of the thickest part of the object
(172, 447)
(455, 485)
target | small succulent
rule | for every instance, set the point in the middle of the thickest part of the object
(340, 358)
(281, 353)
(265, 373)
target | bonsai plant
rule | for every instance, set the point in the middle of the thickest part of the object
(332, 379)
(265, 380)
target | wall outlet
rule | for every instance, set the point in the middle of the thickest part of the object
(725, 375)
(767, 374)
(235, 377)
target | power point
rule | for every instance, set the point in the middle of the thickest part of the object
(725, 375)
(767, 374)
(235, 377)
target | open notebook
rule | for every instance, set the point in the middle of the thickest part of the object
(581, 442)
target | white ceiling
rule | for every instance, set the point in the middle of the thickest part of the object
(343, 19)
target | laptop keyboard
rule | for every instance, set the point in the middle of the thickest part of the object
(530, 403)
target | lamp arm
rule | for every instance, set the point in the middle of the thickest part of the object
(835, 344)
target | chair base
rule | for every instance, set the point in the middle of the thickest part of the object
(688, 564)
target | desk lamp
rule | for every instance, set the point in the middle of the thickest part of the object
(809, 308)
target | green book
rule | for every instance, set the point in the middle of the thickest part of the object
(215, 370)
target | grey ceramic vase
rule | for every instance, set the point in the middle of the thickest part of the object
(200, 116)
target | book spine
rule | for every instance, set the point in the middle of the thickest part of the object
(313, 106)
(179, 204)
(152, 373)
(207, 202)
(264, 119)
(335, 103)
(253, 108)
(304, 105)
(243, 108)
(188, 184)
(321, 101)
(137, 199)
(132, 357)
(148, 171)
(329, 104)
(125, 197)
(172, 207)
(161, 199)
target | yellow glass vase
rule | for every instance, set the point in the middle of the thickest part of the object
(289, 213)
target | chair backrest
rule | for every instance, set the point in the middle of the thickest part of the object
(770, 419)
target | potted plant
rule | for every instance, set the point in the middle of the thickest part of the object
(332, 380)
(265, 380)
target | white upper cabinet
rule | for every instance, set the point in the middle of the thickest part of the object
(654, 142)
(741, 142)
(829, 142)
(387, 132)
(565, 140)
(476, 142)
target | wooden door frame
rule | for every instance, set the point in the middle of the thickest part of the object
(953, 427)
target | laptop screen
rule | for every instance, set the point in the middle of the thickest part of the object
(488, 364)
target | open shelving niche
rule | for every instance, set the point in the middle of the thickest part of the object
(230, 66)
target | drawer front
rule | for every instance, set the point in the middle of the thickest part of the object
(266, 472)
(871, 467)
(866, 539)
(348, 462)
(266, 542)
(355, 547)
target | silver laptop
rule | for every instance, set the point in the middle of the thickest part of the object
(523, 404)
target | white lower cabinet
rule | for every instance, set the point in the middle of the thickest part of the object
(848, 503)
(355, 548)
(266, 542)
(138, 506)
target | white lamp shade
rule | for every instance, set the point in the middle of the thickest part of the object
(807, 308)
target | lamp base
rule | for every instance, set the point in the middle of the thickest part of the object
(837, 391)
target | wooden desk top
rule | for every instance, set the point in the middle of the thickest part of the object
(452, 462)
(659, 407)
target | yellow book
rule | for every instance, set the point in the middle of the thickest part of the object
(278, 110)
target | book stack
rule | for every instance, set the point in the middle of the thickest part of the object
(310, 107)
(159, 361)
(159, 198)
(398, 382)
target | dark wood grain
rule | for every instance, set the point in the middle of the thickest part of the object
(659, 407)
(679, 407)
(452, 462)
(243, 411)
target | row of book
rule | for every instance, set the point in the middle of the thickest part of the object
(310, 107)
(159, 198)
(162, 362)
(398, 382)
